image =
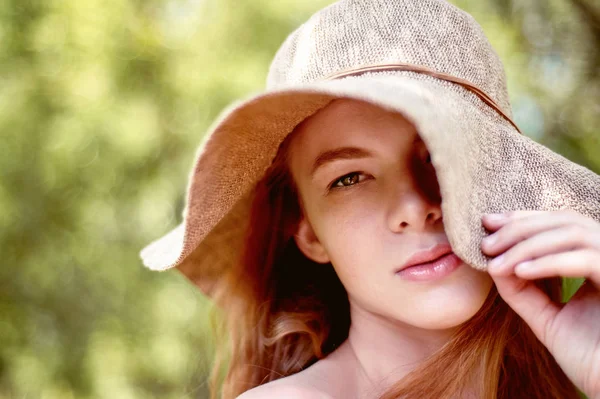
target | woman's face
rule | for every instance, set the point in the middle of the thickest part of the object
(370, 200)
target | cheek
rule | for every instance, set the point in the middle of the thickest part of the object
(353, 241)
(350, 235)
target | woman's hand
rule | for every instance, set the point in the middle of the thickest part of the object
(530, 245)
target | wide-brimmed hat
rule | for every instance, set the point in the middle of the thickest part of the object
(425, 59)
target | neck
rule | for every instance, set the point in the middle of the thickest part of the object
(386, 350)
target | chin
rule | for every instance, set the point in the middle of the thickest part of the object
(448, 305)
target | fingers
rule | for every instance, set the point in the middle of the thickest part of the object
(579, 263)
(562, 239)
(537, 244)
(513, 227)
(495, 221)
(529, 302)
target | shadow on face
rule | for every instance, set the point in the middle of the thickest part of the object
(370, 199)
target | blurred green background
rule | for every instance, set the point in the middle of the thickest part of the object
(102, 103)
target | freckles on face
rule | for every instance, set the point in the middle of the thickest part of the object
(370, 194)
(350, 237)
(351, 163)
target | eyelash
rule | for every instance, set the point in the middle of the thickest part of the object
(334, 184)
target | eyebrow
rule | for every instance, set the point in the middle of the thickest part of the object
(337, 154)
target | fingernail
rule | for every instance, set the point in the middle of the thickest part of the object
(494, 217)
(496, 263)
(523, 267)
(490, 240)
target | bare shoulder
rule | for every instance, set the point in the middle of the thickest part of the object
(284, 388)
(328, 378)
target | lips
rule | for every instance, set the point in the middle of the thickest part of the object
(426, 256)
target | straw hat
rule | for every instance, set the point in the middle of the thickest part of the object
(425, 59)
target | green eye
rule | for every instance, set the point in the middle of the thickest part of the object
(347, 180)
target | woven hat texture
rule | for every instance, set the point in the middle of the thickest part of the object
(483, 163)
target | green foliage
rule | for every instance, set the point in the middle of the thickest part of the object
(101, 104)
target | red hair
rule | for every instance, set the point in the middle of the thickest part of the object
(282, 312)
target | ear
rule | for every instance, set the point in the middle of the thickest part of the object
(309, 244)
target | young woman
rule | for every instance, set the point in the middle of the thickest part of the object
(337, 222)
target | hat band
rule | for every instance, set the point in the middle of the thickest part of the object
(424, 70)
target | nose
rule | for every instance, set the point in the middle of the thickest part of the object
(415, 205)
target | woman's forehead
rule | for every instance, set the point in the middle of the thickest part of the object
(344, 109)
(346, 121)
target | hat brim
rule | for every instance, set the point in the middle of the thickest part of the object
(483, 164)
